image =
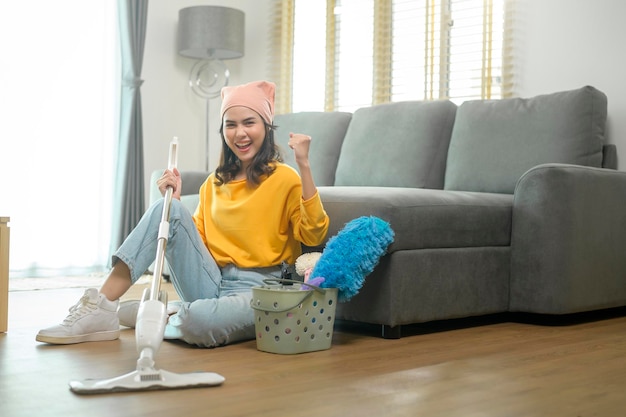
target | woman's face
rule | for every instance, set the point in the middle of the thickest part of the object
(244, 132)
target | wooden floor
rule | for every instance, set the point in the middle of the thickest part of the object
(488, 367)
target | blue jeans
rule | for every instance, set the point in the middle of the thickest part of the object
(215, 307)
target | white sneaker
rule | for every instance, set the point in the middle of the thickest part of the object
(93, 318)
(128, 312)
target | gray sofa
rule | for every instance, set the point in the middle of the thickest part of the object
(508, 205)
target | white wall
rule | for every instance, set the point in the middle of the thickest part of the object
(170, 108)
(563, 44)
(571, 43)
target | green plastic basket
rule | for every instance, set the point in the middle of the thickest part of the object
(294, 318)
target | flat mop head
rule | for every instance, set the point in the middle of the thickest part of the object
(146, 381)
(151, 319)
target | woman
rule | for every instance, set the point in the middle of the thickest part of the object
(254, 213)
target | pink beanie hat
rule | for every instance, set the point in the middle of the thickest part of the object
(257, 95)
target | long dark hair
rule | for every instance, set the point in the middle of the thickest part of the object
(261, 166)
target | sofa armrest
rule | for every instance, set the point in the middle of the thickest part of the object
(192, 180)
(568, 240)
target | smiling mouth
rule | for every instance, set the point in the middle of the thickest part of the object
(243, 146)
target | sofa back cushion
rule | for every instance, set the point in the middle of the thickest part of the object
(495, 141)
(400, 144)
(327, 130)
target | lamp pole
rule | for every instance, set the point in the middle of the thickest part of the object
(206, 79)
(210, 34)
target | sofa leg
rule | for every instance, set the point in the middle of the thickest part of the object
(394, 332)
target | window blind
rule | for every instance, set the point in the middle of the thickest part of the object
(280, 65)
(354, 59)
(379, 51)
(309, 56)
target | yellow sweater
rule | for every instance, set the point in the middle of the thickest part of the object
(262, 226)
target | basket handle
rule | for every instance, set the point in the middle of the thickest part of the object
(293, 281)
(290, 281)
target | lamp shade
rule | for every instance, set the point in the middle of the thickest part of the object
(211, 32)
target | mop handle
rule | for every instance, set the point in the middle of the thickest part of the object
(164, 226)
(172, 161)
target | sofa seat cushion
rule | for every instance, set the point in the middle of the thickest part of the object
(423, 218)
(495, 141)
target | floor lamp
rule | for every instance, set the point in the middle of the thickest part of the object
(210, 34)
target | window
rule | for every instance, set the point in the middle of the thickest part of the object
(353, 53)
(58, 93)
(354, 41)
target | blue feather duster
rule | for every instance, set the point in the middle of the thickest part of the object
(352, 254)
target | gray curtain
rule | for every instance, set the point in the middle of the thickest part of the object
(128, 204)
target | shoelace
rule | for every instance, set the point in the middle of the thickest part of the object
(83, 307)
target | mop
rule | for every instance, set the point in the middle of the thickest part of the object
(149, 330)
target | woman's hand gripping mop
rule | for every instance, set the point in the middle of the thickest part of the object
(151, 320)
